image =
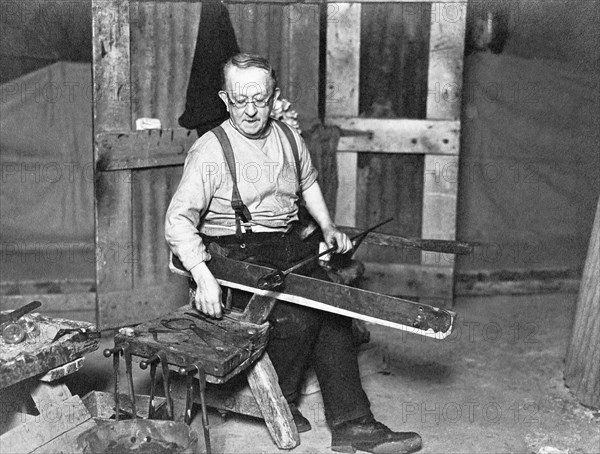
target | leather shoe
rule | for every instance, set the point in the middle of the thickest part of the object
(302, 424)
(367, 434)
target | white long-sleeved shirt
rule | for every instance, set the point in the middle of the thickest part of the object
(267, 181)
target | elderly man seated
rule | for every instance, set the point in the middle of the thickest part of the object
(241, 186)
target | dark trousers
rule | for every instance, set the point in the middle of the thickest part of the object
(301, 336)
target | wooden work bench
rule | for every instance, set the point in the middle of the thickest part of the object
(38, 358)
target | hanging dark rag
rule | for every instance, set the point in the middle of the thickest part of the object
(215, 44)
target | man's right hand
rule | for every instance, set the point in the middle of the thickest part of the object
(208, 291)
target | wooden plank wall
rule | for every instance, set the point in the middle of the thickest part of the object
(135, 76)
(376, 186)
(143, 55)
(143, 52)
(163, 39)
(394, 43)
(288, 35)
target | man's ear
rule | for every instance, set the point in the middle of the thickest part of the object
(223, 97)
(276, 95)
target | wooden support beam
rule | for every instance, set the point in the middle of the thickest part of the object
(112, 112)
(440, 192)
(341, 96)
(264, 384)
(582, 372)
(140, 149)
(444, 85)
(446, 49)
(398, 136)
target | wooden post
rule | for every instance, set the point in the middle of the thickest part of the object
(582, 372)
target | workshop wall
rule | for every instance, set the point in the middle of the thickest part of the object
(550, 45)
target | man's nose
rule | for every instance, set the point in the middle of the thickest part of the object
(250, 109)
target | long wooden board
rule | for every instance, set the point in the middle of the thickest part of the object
(352, 302)
(398, 135)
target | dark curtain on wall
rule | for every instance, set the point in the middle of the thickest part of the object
(215, 44)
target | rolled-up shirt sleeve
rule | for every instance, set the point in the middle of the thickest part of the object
(189, 203)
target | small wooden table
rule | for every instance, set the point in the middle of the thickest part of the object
(221, 349)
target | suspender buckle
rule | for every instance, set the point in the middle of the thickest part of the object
(241, 210)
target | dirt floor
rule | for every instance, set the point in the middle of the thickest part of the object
(495, 386)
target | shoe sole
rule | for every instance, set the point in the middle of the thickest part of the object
(395, 447)
(392, 447)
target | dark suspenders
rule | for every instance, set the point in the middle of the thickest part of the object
(242, 214)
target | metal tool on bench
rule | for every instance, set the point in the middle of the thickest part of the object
(116, 351)
(158, 357)
(129, 374)
(88, 333)
(275, 279)
(189, 372)
(18, 313)
(152, 362)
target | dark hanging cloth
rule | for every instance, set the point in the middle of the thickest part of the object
(215, 44)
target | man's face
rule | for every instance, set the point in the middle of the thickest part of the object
(242, 86)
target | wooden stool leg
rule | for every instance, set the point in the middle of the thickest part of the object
(264, 384)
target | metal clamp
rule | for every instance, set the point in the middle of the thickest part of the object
(153, 362)
(189, 372)
(115, 352)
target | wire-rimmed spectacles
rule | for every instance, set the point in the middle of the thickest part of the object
(243, 102)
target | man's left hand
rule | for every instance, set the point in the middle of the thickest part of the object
(334, 237)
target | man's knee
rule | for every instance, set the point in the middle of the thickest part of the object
(296, 322)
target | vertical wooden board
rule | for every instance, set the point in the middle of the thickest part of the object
(582, 370)
(144, 227)
(343, 55)
(143, 63)
(112, 111)
(262, 30)
(152, 194)
(191, 11)
(276, 46)
(172, 178)
(322, 142)
(263, 382)
(440, 181)
(114, 247)
(163, 39)
(243, 26)
(446, 48)
(112, 83)
(390, 186)
(345, 213)
(283, 65)
(303, 80)
(394, 44)
(176, 91)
